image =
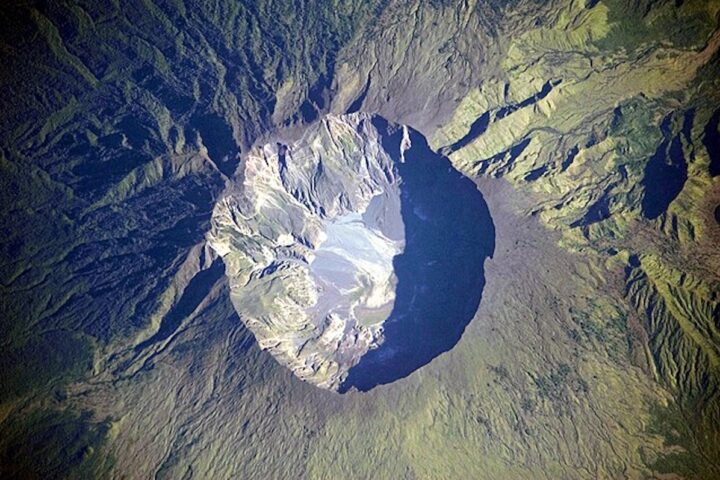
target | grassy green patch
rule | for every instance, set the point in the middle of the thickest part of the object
(686, 26)
(558, 384)
(689, 456)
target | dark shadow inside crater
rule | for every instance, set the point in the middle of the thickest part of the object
(448, 233)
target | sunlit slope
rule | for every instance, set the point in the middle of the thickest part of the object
(612, 125)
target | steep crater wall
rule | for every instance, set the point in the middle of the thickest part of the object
(355, 255)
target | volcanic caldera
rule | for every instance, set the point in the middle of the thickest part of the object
(354, 254)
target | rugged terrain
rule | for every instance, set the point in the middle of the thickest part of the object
(589, 127)
(308, 240)
(356, 246)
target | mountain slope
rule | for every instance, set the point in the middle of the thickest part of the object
(591, 129)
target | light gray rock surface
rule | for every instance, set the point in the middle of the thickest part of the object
(308, 235)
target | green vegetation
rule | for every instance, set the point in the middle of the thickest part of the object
(45, 361)
(683, 456)
(54, 444)
(118, 103)
(558, 384)
(123, 121)
(685, 26)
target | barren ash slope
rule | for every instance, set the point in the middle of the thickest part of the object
(184, 183)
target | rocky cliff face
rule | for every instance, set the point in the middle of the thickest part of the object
(356, 225)
(308, 237)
